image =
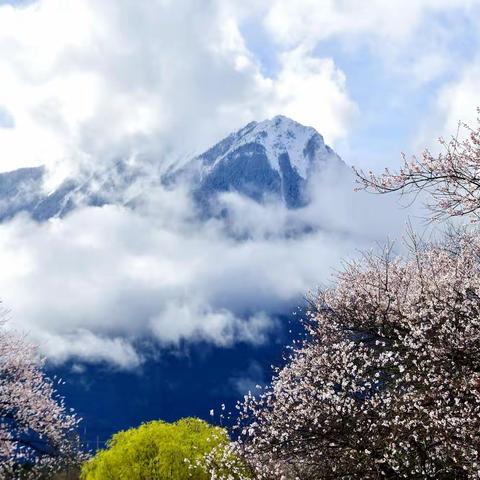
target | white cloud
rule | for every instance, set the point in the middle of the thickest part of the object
(312, 91)
(459, 100)
(89, 81)
(456, 101)
(6, 118)
(186, 319)
(84, 345)
(310, 21)
(97, 284)
(411, 36)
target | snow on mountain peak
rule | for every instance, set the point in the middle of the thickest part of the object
(279, 135)
(274, 158)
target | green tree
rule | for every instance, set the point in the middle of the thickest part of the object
(158, 450)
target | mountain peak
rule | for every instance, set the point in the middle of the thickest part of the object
(282, 135)
(282, 122)
(267, 159)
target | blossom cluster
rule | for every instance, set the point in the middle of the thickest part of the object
(36, 430)
(387, 382)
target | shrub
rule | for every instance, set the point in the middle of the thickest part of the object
(158, 450)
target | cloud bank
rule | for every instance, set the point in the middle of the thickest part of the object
(102, 283)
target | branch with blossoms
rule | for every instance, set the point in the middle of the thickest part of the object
(37, 432)
(386, 383)
(451, 178)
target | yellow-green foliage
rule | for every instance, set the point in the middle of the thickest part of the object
(156, 451)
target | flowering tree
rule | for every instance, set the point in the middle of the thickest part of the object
(387, 383)
(452, 178)
(36, 433)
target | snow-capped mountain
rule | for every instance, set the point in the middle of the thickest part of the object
(270, 160)
(273, 159)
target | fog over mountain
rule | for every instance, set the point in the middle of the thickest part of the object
(268, 161)
(160, 282)
(271, 160)
(120, 262)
